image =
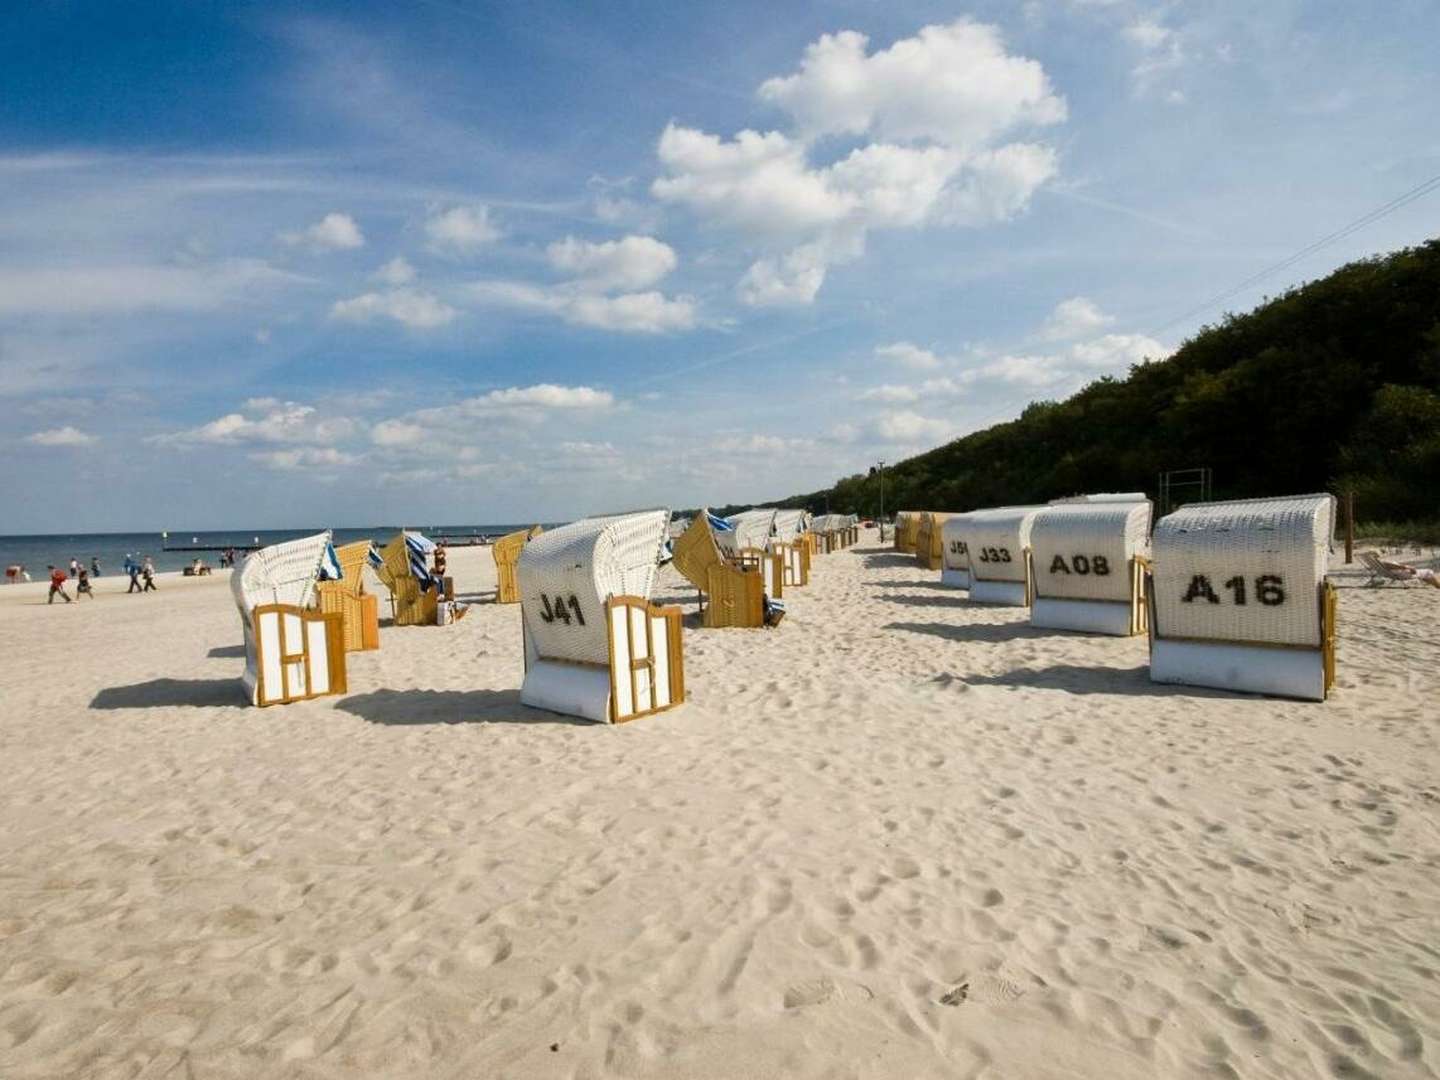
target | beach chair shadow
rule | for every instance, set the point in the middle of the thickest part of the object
(227, 652)
(938, 601)
(879, 557)
(162, 693)
(1076, 679)
(936, 584)
(408, 707)
(989, 633)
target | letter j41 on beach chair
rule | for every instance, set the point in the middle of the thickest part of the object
(595, 646)
(292, 652)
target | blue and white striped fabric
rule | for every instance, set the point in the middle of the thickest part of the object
(419, 549)
(373, 557)
(330, 565)
(718, 524)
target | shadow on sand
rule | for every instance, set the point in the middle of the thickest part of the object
(448, 707)
(991, 633)
(902, 584)
(890, 558)
(227, 652)
(1075, 679)
(160, 693)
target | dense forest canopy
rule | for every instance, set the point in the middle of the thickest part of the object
(1332, 386)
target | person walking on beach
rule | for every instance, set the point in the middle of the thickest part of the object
(133, 569)
(148, 573)
(94, 565)
(74, 567)
(82, 585)
(57, 584)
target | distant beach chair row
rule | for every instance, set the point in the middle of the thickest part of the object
(1233, 595)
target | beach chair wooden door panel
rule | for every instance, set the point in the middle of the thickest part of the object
(301, 654)
(644, 665)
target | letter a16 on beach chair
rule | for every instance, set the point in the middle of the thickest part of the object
(507, 556)
(731, 594)
(595, 646)
(403, 566)
(292, 652)
(359, 611)
(1239, 600)
(1089, 559)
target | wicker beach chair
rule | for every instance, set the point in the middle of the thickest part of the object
(292, 651)
(359, 611)
(998, 544)
(930, 540)
(1088, 560)
(731, 594)
(789, 543)
(402, 567)
(506, 551)
(1239, 600)
(595, 646)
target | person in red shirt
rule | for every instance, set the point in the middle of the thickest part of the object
(57, 585)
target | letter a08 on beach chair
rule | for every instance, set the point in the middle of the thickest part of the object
(595, 646)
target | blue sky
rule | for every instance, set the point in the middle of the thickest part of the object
(273, 265)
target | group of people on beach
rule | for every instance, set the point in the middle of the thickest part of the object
(141, 573)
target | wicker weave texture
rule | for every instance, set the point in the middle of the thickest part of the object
(279, 574)
(578, 567)
(788, 525)
(506, 552)
(752, 528)
(1273, 551)
(737, 598)
(696, 551)
(930, 540)
(907, 525)
(413, 606)
(1082, 551)
(997, 540)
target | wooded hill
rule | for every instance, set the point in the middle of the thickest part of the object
(1333, 385)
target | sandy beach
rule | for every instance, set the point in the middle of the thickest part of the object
(899, 836)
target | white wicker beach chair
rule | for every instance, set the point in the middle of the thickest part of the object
(955, 564)
(291, 651)
(595, 646)
(997, 542)
(1239, 599)
(1088, 561)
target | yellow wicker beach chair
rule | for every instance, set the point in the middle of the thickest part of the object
(736, 595)
(507, 556)
(413, 606)
(930, 540)
(358, 610)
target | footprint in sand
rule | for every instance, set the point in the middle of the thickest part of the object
(982, 990)
(823, 989)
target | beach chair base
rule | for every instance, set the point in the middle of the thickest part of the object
(645, 675)
(999, 593)
(1112, 617)
(955, 579)
(1252, 669)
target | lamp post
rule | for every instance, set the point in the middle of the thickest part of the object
(882, 492)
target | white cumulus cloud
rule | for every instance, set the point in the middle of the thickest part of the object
(1073, 318)
(460, 230)
(909, 355)
(61, 436)
(936, 113)
(628, 264)
(396, 272)
(417, 310)
(334, 232)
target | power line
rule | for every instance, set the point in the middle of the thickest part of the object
(1402, 200)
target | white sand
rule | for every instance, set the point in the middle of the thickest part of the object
(900, 836)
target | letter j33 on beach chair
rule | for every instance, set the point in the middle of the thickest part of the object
(595, 646)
